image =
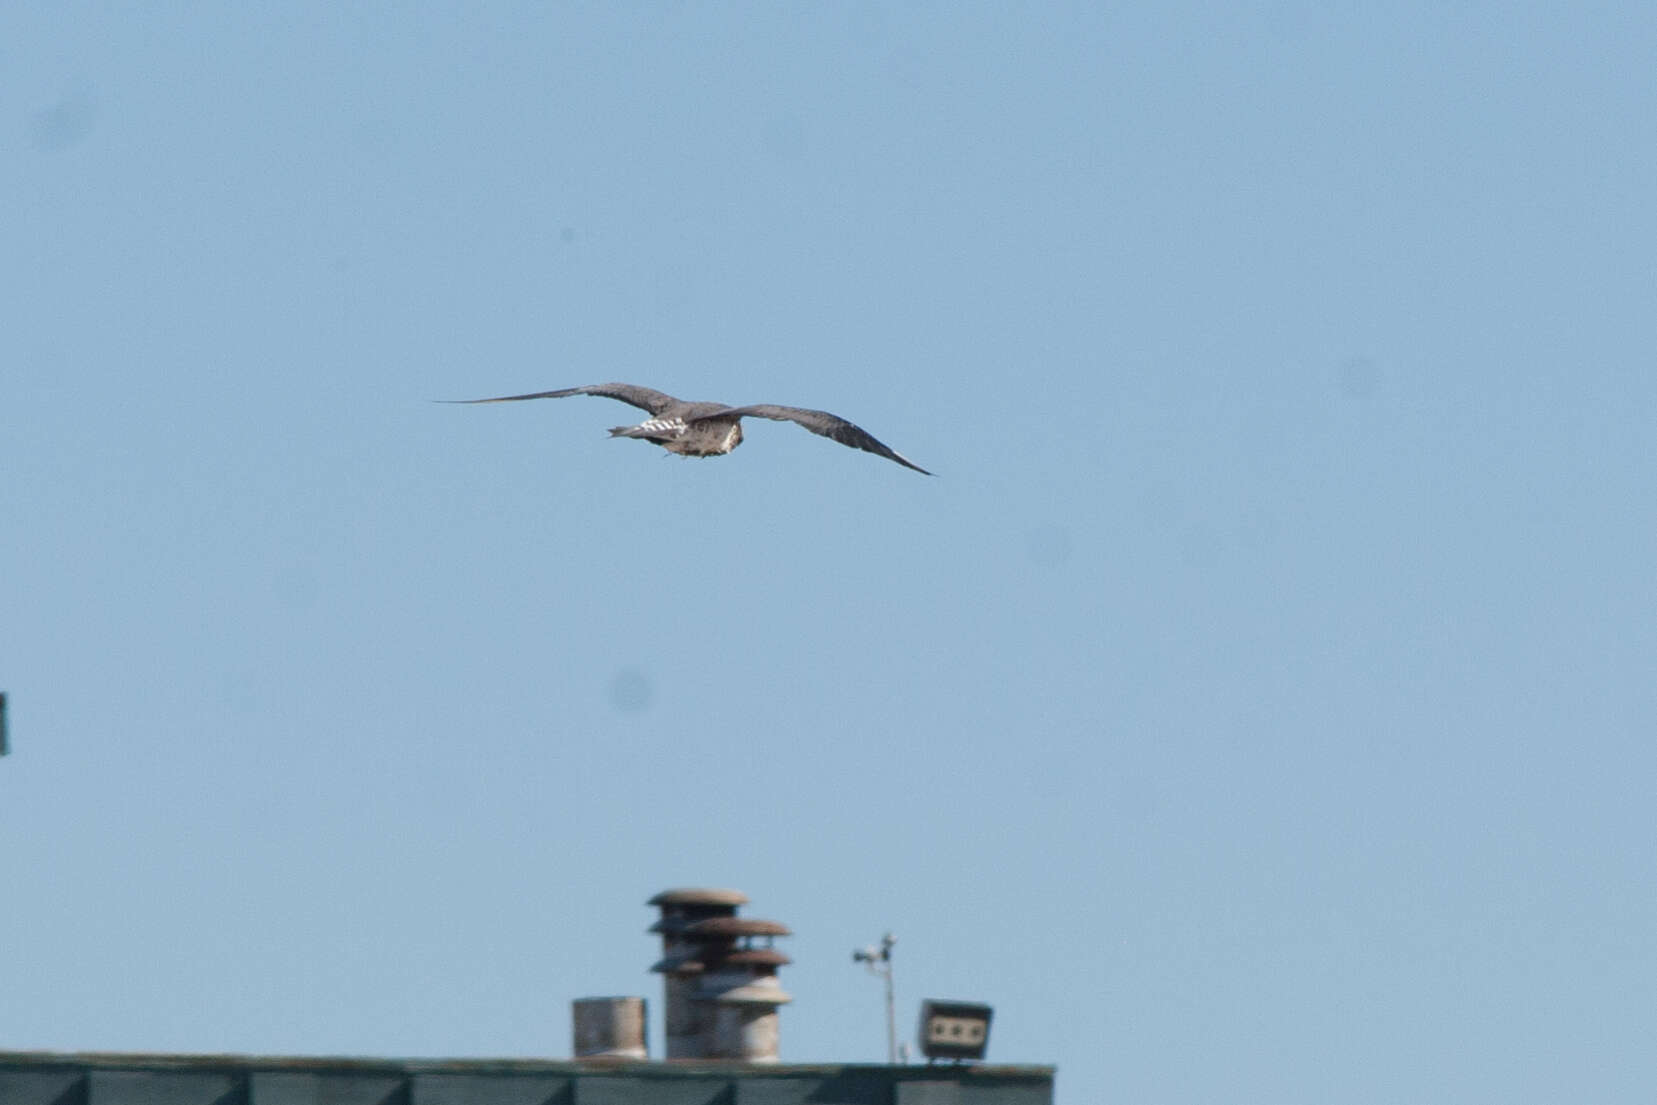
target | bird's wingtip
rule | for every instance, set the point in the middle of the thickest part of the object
(907, 463)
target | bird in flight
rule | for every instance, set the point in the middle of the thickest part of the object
(711, 429)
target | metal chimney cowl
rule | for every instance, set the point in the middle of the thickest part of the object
(719, 977)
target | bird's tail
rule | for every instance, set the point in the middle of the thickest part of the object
(652, 429)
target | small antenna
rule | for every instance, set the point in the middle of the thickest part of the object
(879, 962)
(4, 746)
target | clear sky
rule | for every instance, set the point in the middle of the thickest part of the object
(1257, 707)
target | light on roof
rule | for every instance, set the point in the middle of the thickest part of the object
(954, 1029)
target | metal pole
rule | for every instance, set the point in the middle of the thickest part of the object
(891, 1013)
(879, 962)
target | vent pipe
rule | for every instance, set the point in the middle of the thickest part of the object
(609, 1028)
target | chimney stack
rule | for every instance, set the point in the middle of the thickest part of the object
(738, 988)
(679, 966)
(719, 977)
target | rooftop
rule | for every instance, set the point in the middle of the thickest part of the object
(95, 1078)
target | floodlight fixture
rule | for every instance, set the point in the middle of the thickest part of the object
(958, 1030)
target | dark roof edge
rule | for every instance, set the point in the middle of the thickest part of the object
(677, 1068)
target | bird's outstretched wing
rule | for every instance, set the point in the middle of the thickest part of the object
(831, 426)
(644, 398)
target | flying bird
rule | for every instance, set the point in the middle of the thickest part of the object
(710, 429)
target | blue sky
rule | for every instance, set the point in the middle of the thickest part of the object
(1256, 707)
